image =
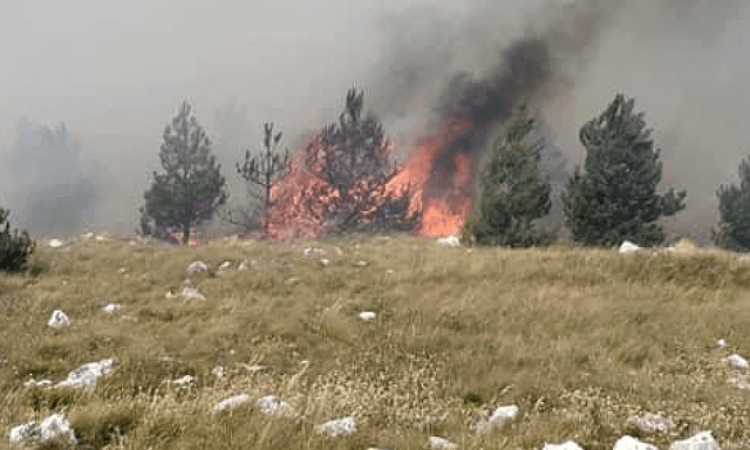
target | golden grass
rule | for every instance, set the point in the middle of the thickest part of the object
(579, 339)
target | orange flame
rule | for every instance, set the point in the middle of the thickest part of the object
(302, 198)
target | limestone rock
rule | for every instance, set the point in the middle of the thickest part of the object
(197, 267)
(631, 443)
(569, 445)
(628, 247)
(652, 423)
(58, 320)
(112, 308)
(701, 441)
(191, 293)
(367, 315)
(438, 443)
(721, 343)
(312, 250)
(275, 406)
(338, 427)
(231, 403)
(54, 428)
(501, 416)
(737, 361)
(87, 374)
(187, 381)
(450, 241)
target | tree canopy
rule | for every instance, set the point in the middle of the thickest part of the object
(511, 193)
(190, 188)
(615, 199)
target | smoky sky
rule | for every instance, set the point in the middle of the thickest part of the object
(116, 73)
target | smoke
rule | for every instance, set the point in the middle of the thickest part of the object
(44, 184)
(569, 59)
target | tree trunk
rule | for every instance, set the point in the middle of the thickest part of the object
(185, 234)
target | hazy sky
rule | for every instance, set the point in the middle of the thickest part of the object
(115, 73)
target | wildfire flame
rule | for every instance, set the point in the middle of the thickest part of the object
(302, 198)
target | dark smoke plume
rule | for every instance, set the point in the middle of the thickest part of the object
(45, 186)
(479, 65)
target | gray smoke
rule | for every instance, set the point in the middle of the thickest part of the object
(44, 184)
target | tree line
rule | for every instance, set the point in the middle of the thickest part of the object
(612, 198)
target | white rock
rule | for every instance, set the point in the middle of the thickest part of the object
(197, 267)
(275, 406)
(324, 261)
(631, 443)
(100, 237)
(339, 251)
(652, 423)
(186, 382)
(40, 383)
(367, 315)
(231, 403)
(438, 443)
(243, 266)
(569, 445)
(450, 241)
(701, 441)
(628, 247)
(310, 250)
(58, 320)
(225, 266)
(55, 427)
(88, 235)
(721, 343)
(55, 243)
(87, 374)
(502, 415)
(360, 263)
(112, 308)
(338, 427)
(737, 361)
(218, 371)
(190, 293)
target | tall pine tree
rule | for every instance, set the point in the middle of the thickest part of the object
(191, 187)
(512, 195)
(615, 199)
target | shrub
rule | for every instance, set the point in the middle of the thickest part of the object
(15, 249)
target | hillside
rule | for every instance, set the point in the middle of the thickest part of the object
(581, 340)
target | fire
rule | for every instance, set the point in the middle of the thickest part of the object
(302, 198)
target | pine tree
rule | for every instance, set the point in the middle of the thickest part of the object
(191, 187)
(511, 194)
(263, 169)
(734, 208)
(615, 199)
(353, 157)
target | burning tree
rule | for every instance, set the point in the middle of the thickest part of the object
(261, 171)
(512, 195)
(339, 181)
(615, 199)
(191, 187)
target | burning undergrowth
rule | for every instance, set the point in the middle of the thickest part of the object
(347, 171)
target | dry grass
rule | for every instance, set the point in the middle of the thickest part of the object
(580, 339)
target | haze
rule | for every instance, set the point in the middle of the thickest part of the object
(114, 74)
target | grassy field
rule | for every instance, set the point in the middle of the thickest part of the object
(580, 339)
